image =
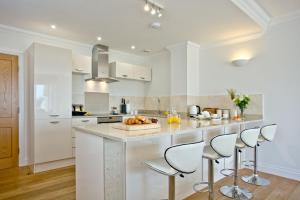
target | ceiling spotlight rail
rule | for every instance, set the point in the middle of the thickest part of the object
(153, 7)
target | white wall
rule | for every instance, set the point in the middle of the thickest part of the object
(275, 72)
(178, 72)
(160, 84)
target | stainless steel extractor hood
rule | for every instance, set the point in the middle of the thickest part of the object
(100, 65)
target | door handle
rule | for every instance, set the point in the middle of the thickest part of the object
(85, 120)
(54, 115)
(142, 78)
(124, 75)
(54, 122)
(79, 69)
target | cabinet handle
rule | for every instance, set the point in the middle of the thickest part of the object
(124, 75)
(142, 78)
(79, 69)
(85, 120)
(54, 115)
(54, 122)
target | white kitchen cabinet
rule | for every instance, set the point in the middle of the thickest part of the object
(52, 79)
(49, 71)
(80, 121)
(81, 64)
(52, 140)
(129, 71)
(121, 70)
(142, 73)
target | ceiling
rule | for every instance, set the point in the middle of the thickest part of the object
(122, 23)
(278, 8)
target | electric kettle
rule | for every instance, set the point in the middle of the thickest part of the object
(194, 110)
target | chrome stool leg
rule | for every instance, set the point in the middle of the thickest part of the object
(171, 187)
(234, 191)
(211, 194)
(210, 181)
(254, 178)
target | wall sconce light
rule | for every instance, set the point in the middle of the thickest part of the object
(240, 62)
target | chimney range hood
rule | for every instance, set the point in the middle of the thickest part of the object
(100, 65)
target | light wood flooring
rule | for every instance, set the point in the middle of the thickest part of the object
(19, 184)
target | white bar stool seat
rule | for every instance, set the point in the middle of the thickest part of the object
(221, 146)
(179, 159)
(160, 165)
(248, 138)
(267, 133)
(209, 153)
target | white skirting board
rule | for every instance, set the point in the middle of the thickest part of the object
(279, 171)
(53, 165)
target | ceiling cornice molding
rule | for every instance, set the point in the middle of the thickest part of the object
(182, 44)
(235, 40)
(285, 18)
(254, 11)
(48, 37)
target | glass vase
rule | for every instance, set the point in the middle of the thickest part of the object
(242, 114)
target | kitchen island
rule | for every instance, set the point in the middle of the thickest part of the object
(109, 161)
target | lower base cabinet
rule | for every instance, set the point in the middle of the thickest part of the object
(52, 140)
(80, 121)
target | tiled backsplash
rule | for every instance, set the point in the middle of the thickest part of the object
(181, 103)
(136, 103)
(97, 102)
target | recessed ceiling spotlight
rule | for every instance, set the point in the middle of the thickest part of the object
(132, 47)
(99, 38)
(153, 11)
(53, 26)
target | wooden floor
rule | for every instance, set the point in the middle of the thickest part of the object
(279, 189)
(19, 184)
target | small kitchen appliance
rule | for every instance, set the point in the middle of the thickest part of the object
(194, 110)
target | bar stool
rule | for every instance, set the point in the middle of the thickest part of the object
(267, 133)
(248, 138)
(221, 146)
(178, 159)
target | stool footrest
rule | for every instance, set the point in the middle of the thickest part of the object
(231, 171)
(248, 163)
(200, 190)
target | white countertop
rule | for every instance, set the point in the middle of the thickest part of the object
(186, 126)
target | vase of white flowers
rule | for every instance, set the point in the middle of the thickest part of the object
(241, 101)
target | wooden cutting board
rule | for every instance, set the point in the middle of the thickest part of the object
(136, 127)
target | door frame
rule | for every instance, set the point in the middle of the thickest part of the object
(16, 105)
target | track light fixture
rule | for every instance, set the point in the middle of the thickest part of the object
(154, 8)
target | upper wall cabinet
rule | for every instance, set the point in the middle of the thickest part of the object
(81, 64)
(129, 71)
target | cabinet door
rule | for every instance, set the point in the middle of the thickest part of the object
(52, 140)
(122, 70)
(82, 121)
(52, 82)
(142, 73)
(81, 64)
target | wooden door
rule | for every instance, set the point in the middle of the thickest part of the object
(9, 147)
